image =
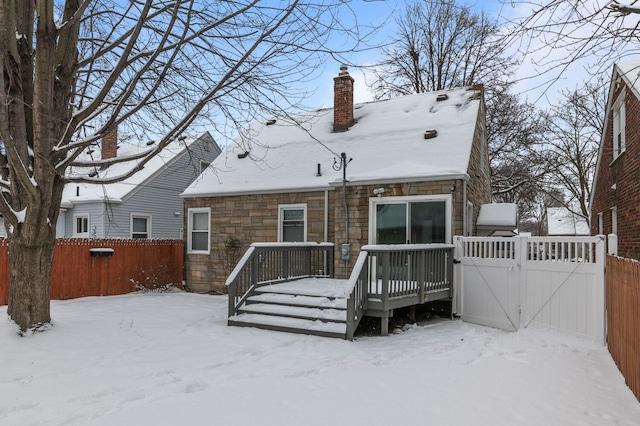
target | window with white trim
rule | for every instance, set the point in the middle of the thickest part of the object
(614, 220)
(600, 223)
(140, 226)
(81, 226)
(199, 225)
(619, 117)
(416, 219)
(292, 223)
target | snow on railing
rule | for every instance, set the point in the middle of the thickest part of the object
(268, 263)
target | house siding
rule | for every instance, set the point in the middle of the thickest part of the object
(96, 219)
(358, 203)
(238, 221)
(624, 173)
(160, 198)
(479, 184)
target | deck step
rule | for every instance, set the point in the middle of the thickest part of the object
(334, 315)
(296, 300)
(330, 288)
(310, 306)
(292, 325)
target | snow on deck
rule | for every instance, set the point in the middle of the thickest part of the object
(320, 287)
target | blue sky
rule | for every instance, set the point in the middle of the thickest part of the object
(376, 14)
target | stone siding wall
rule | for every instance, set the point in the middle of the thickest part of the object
(479, 184)
(238, 221)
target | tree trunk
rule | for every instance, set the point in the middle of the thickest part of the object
(30, 280)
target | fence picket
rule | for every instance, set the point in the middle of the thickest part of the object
(623, 318)
(75, 273)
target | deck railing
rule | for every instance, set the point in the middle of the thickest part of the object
(400, 275)
(269, 263)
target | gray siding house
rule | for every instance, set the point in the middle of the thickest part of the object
(146, 205)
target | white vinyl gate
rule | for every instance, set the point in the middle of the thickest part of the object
(510, 283)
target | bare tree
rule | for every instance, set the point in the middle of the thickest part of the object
(74, 69)
(439, 45)
(556, 34)
(513, 130)
(570, 144)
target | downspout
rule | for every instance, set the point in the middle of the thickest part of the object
(326, 215)
(465, 221)
(346, 210)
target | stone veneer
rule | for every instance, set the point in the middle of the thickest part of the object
(237, 221)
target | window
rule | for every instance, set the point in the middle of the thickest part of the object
(140, 226)
(600, 224)
(81, 226)
(292, 223)
(199, 222)
(410, 220)
(619, 117)
(614, 220)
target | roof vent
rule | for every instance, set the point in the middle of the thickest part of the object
(442, 97)
(243, 155)
(93, 174)
(150, 143)
(430, 134)
(271, 122)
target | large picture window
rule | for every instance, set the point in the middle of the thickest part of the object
(410, 220)
(292, 223)
(199, 223)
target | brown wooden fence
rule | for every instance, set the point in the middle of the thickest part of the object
(133, 264)
(623, 318)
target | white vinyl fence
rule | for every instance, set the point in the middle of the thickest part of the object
(510, 283)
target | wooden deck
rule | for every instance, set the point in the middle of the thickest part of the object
(273, 286)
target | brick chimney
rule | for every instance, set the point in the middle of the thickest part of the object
(342, 101)
(110, 143)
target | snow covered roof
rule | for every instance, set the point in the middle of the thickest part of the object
(387, 144)
(497, 219)
(75, 193)
(498, 214)
(560, 221)
(630, 71)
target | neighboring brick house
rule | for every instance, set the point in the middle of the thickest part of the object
(615, 198)
(417, 171)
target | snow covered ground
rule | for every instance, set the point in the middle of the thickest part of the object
(170, 359)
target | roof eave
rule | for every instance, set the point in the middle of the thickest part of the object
(257, 192)
(408, 179)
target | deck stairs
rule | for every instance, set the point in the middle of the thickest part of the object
(316, 306)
